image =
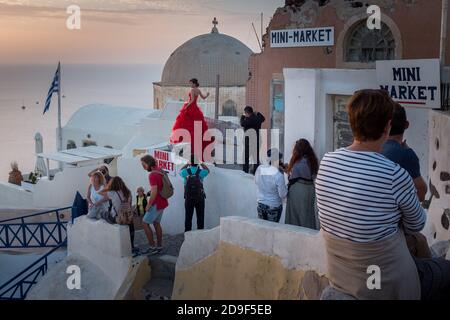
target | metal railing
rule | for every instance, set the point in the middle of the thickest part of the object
(18, 287)
(17, 233)
(221, 125)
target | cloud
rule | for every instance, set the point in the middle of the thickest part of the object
(134, 12)
(119, 6)
(112, 11)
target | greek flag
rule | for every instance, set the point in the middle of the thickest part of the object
(53, 89)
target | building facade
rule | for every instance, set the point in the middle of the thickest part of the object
(410, 29)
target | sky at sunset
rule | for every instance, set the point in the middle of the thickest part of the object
(120, 31)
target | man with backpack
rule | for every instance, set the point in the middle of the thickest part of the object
(194, 193)
(161, 190)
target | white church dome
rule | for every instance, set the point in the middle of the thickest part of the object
(205, 56)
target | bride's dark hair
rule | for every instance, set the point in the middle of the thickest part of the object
(195, 82)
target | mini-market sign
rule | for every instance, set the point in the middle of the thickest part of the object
(164, 161)
(309, 37)
(412, 83)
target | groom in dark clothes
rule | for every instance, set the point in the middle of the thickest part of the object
(251, 120)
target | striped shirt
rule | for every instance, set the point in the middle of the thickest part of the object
(364, 197)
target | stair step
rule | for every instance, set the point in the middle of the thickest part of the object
(163, 267)
(158, 289)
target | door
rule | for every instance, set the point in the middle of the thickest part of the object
(342, 135)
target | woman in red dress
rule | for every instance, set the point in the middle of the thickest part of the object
(189, 114)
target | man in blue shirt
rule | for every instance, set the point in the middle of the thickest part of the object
(396, 150)
(194, 194)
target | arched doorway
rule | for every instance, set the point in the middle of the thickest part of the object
(229, 108)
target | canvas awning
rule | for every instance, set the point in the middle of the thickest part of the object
(81, 155)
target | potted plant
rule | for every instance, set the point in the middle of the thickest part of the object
(15, 176)
(33, 178)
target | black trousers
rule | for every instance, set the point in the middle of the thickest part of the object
(131, 227)
(246, 167)
(199, 207)
(434, 277)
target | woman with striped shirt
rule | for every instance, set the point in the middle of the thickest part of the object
(366, 204)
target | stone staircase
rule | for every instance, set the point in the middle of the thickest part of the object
(163, 276)
(162, 266)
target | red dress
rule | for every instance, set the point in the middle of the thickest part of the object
(185, 120)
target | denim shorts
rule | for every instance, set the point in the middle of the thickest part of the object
(270, 214)
(153, 215)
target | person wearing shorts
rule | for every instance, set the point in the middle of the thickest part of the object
(154, 215)
(269, 214)
(155, 206)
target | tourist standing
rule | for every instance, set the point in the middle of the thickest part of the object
(156, 204)
(301, 199)
(141, 202)
(251, 120)
(194, 193)
(366, 204)
(271, 187)
(94, 197)
(396, 150)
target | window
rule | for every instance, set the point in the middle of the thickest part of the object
(229, 109)
(71, 145)
(365, 45)
(277, 110)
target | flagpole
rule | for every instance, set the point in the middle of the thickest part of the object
(59, 110)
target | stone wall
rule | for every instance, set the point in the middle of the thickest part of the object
(251, 259)
(107, 270)
(439, 171)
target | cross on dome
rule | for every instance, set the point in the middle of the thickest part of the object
(215, 23)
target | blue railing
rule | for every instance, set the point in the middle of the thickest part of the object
(18, 287)
(17, 233)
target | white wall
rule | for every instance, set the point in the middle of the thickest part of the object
(228, 193)
(439, 165)
(60, 191)
(105, 245)
(115, 139)
(151, 131)
(14, 197)
(309, 113)
(102, 252)
(57, 193)
(301, 87)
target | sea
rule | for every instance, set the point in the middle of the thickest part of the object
(23, 91)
